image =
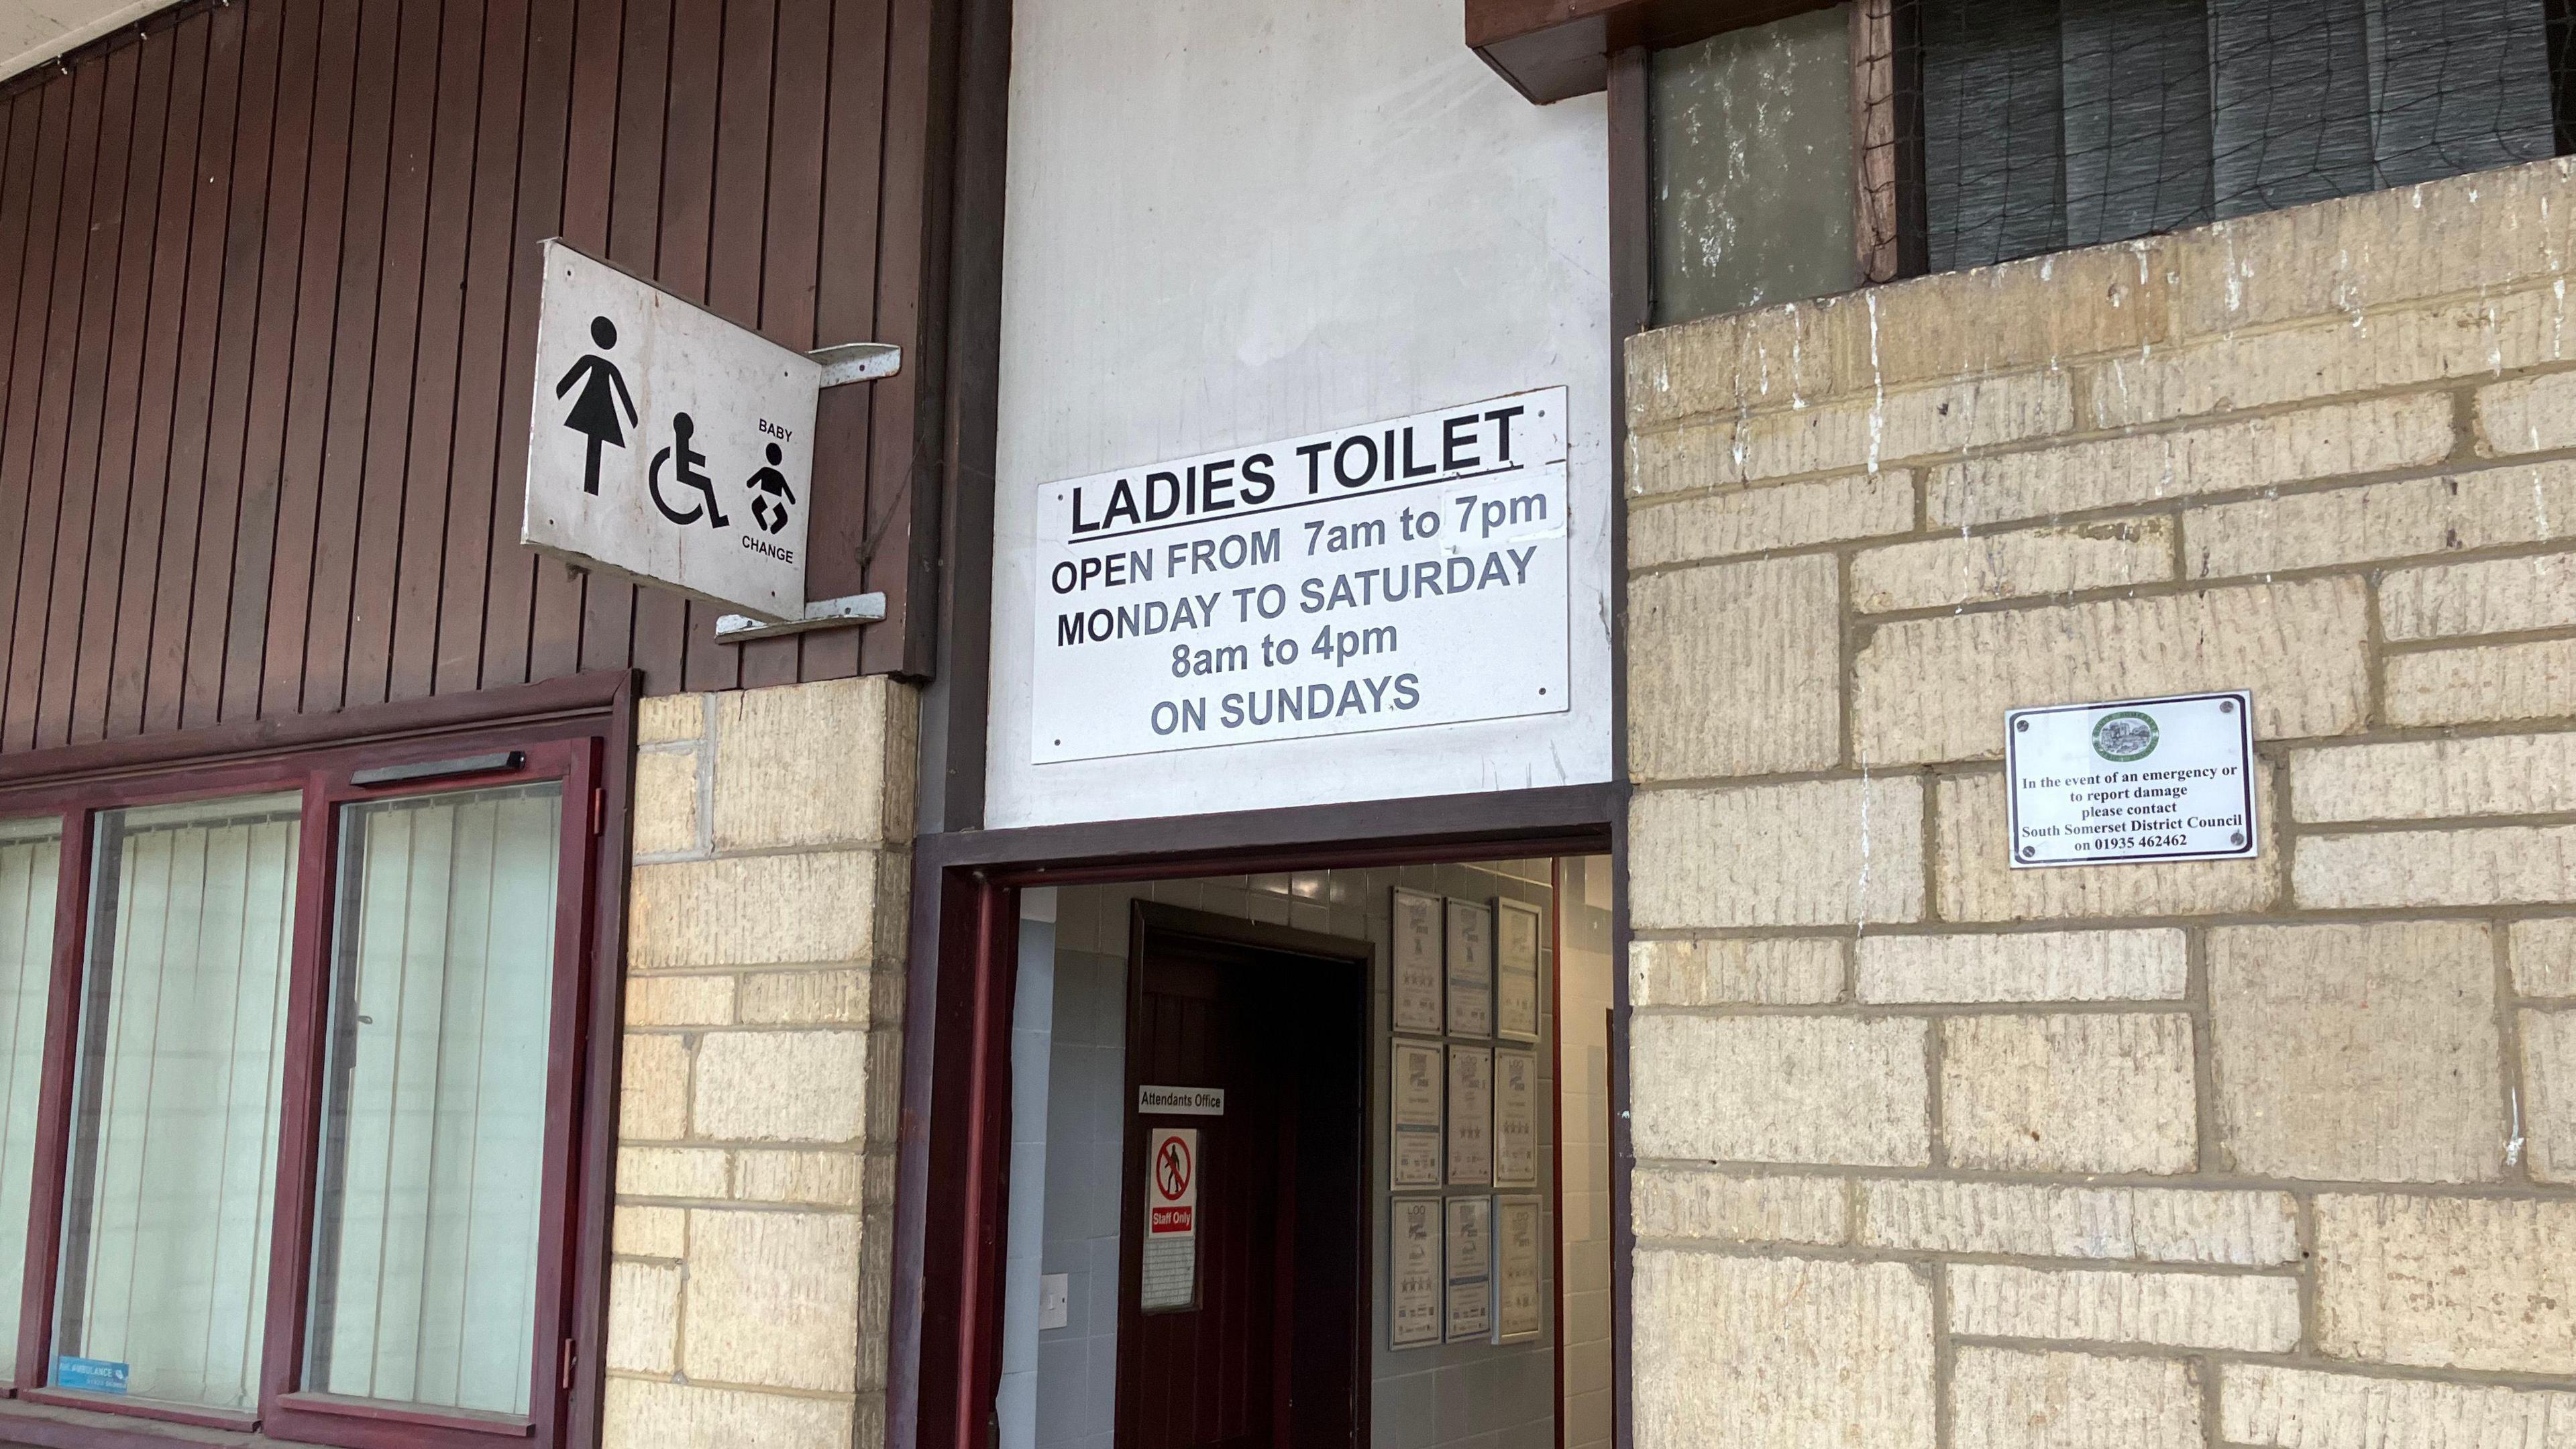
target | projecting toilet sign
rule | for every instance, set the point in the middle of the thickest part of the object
(2132, 780)
(667, 445)
(1388, 575)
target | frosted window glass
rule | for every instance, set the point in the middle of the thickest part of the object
(30, 863)
(176, 1094)
(1752, 151)
(434, 1118)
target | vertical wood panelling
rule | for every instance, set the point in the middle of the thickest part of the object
(790, 239)
(268, 278)
(53, 390)
(509, 615)
(149, 498)
(608, 637)
(27, 209)
(590, 146)
(195, 526)
(365, 658)
(412, 653)
(372, 252)
(845, 310)
(262, 261)
(110, 506)
(466, 572)
(79, 533)
(276, 670)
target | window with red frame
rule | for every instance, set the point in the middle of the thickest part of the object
(289, 1112)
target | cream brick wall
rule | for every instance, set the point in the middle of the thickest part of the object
(2272, 1153)
(764, 996)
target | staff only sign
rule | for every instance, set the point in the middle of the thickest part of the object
(1386, 576)
(668, 445)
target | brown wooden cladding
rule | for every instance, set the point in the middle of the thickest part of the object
(268, 298)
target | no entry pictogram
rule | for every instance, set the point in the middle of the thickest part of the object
(1171, 1182)
(1172, 1167)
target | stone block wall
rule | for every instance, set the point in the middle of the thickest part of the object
(764, 1003)
(1932, 1152)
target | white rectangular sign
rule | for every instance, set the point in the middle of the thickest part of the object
(1414, 1085)
(1520, 1306)
(1181, 1101)
(1385, 576)
(1169, 1276)
(1468, 1250)
(2132, 780)
(1414, 951)
(1413, 1273)
(1470, 954)
(1471, 1116)
(668, 445)
(1516, 1097)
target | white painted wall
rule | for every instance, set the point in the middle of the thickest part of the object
(1232, 223)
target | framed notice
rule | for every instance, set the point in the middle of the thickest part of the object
(1170, 1280)
(1471, 969)
(1413, 1269)
(1515, 1117)
(1516, 928)
(1414, 959)
(1519, 1258)
(1471, 1116)
(1467, 1281)
(1414, 1078)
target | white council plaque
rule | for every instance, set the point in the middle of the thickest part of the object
(1383, 576)
(667, 445)
(2132, 780)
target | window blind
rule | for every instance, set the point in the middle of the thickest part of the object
(435, 1107)
(172, 1174)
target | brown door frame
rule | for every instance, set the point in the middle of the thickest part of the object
(953, 1156)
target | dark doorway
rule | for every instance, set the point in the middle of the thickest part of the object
(1248, 1334)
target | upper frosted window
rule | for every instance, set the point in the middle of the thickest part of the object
(1753, 167)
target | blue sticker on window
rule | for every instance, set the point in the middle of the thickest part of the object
(97, 1375)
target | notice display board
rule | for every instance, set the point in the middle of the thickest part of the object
(2133, 780)
(1387, 576)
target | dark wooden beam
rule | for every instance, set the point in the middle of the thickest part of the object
(1554, 49)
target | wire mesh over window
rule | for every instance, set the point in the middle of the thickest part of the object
(2008, 128)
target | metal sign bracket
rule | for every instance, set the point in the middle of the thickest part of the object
(820, 614)
(858, 362)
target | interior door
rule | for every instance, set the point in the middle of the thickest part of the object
(1242, 1280)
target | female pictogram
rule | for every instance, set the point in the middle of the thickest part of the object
(603, 392)
(771, 506)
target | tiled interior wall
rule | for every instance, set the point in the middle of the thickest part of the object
(1932, 1153)
(1451, 1397)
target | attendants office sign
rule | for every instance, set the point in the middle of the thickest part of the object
(1391, 575)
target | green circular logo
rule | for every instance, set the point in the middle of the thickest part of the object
(2125, 736)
